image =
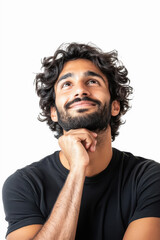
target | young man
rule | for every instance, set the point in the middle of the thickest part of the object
(88, 190)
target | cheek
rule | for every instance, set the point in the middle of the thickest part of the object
(60, 101)
(104, 96)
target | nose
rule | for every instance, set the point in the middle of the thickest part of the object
(81, 90)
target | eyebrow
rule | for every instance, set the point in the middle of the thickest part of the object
(86, 74)
(67, 75)
(93, 74)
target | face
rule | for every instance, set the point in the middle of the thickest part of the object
(82, 97)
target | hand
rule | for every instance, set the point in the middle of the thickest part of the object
(76, 144)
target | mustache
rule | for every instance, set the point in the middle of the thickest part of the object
(82, 99)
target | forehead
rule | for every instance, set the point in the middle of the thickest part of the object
(80, 66)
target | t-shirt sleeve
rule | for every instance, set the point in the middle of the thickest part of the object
(20, 203)
(148, 192)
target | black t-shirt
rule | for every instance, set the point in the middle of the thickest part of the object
(128, 189)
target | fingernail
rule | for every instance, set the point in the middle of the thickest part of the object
(95, 134)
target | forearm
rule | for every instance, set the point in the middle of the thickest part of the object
(62, 222)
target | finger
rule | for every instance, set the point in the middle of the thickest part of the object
(93, 147)
(86, 137)
(94, 134)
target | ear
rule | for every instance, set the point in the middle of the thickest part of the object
(54, 114)
(115, 108)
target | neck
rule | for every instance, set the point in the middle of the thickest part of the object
(99, 159)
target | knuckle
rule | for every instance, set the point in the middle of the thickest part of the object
(85, 130)
(70, 137)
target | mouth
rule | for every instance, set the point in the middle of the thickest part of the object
(82, 104)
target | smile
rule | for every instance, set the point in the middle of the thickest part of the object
(82, 104)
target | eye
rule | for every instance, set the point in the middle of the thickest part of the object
(66, 84)
(93, 82)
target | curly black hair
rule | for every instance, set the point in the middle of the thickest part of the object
(109, 65)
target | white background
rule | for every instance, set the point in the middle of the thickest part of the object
(31, 30)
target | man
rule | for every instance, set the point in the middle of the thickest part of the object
(88, 190)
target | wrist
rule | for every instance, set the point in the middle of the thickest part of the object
(78, 172)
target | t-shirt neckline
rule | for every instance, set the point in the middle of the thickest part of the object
(64, 171)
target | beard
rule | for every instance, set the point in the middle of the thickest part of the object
(96, 121)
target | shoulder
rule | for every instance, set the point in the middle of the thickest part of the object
(131, 162)
(24, 194)
(142, 165)
(139, 181)
(139, 172)
(25, 177)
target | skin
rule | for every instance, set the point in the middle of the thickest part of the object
(84, 153)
